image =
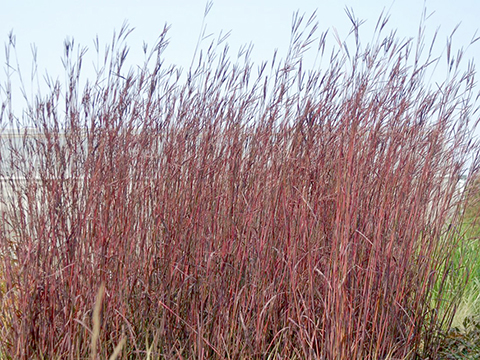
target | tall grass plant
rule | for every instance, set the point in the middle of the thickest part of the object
(237, 211)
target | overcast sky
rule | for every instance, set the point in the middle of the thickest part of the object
(265, 23)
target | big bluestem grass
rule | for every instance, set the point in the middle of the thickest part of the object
(236, 211)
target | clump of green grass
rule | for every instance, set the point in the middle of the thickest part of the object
(461, 339)
(241, 212)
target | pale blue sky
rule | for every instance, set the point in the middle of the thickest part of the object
(264, 23)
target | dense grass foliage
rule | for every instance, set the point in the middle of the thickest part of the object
(462, 339)
(236, 211)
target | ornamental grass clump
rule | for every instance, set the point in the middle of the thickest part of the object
(235, 211)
